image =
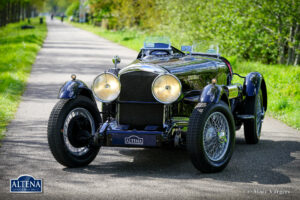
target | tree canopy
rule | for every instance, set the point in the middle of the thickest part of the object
(16, 10)
(265, 30)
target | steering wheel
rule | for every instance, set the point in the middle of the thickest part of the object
(159, 53)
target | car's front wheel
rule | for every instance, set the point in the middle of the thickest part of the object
(211, 137)
(71, 126)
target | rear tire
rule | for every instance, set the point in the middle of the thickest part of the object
(70, 122)
(211, 131)
(252, 127)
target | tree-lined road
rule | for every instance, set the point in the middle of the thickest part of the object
(268, 170)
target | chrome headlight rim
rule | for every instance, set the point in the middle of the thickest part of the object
(96, 97)
(180, 87)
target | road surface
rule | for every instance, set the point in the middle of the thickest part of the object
(268, 170)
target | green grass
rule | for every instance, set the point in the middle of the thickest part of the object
(18, 49)
(282, 81)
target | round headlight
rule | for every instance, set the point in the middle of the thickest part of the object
(106, 87)
(166, 88)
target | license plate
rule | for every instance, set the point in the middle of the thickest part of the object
(125, 139)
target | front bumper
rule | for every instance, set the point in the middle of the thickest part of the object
(112, 134)
(134, 138)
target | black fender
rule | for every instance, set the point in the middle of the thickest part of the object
(253, 82)
(213, 93)
(71, 89)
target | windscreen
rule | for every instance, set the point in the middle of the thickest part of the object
(157, 42)
(206, 47)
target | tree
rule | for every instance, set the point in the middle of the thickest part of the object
(15, 10)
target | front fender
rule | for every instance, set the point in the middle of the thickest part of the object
(71, 89)
(211, 94)
(253, 82)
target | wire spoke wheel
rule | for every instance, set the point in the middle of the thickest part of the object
(211, 136)
(252, 128)
(77, 121)
(216, 136)
(259, 113)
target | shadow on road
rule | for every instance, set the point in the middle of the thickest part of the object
(262, 163)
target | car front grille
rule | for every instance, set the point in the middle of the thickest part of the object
(137, 106)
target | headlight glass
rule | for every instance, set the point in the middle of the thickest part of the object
(166, 88)
(106, 87)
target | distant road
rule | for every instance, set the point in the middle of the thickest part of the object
(268, 170)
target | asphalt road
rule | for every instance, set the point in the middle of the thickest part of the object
(268, 170)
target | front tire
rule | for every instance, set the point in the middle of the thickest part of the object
(71, 124)
(211, 137)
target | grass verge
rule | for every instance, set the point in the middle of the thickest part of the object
(18, 50)
(282, 81)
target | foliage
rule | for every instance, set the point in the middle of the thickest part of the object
(262, 30)
(18, 49)
(282, 81)
(15, 10)
(121, 14)
(73, 8)
(57, 6)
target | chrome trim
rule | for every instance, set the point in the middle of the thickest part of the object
(175, 125)
(103, 101)
(136, 102)
(143, 67)
(168, 74)
(233, 91)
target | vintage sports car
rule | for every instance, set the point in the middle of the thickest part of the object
(164, 97)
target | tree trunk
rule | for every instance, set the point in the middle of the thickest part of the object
(5, 14)
(1, 16)
(296, 62)
(281, 42)
(28, 10)
(23, 11)
(291, 48)
(13, 11)
(8, 12)
(2, 9)
(18, 10)
(297, 48)
(281, 51)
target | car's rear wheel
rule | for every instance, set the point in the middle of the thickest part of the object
(252, 127)
(211, 137)
(71, 126)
